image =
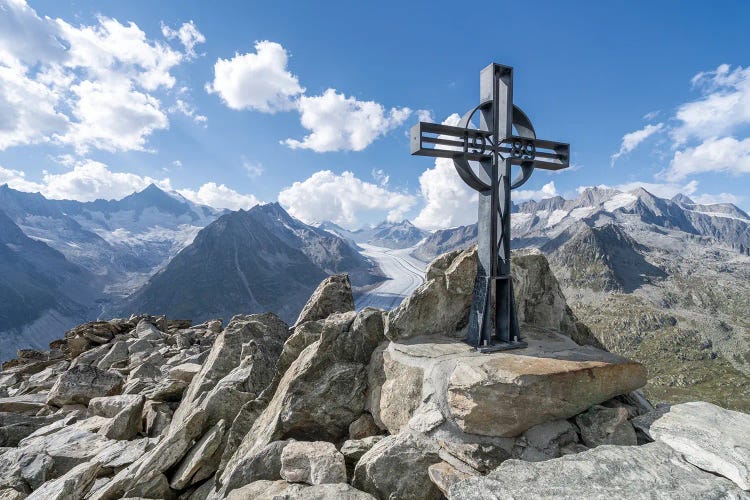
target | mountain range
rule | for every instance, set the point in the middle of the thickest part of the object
(664, 281)
(393, 235)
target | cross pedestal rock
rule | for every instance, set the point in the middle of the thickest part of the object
(483, 154)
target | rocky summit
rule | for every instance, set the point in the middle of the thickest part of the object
(349, 404)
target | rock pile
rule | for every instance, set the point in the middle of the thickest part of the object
(355, 405)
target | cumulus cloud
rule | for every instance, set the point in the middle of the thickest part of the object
(88, 180)
(219, 196)
(724, 105)
(337, 122)
(725, 154)
(449, 202)
(342, 199)
(187, 34)
(86, 86)
(259, 81)
(631, 140)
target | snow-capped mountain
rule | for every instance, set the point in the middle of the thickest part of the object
(393, 235)
(250, 261)
(534, 223)
(123, 241)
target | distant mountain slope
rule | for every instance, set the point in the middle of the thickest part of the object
(124, 241)
(393, 235)
(249, 261)
(37, 281)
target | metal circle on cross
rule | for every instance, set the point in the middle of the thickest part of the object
(483, 156)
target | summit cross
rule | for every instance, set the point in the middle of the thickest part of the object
(483, 155)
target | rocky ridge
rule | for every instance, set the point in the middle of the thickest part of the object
(356, 405)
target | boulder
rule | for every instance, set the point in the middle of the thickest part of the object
(353, 449)
(317, 462)
(38, 471)
(500, 394)
(126, 423)
(156, 418)
(118, 353)
(109, 406)
(396, 467)
(68, 447)
(333, 295)
(650, 471)
(15, 426)
(363, 427)
(184, 372)
(73, 484)
(440, 306)
(544, 441)
(444, 475)
(28, 404)
(123, 453)
(203, 450)
(282, 489)
(82, 383)
(709, 437)
(321, 393)
(600, 425)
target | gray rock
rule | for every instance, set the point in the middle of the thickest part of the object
(321, 393)
(28, 404)
(363, 427)
(109, 406)
(185, 372)
(123, 453)
(203, 450)
(396, 467)
(145, 371)
(117, 354)
(157, 416)
(140, 345)
(444, 475)
(600, 425)
(709, 437)
(126, 423)
(650, 471)
(333, 295)
(440, 306)
(82, 383)
(282, 490)
(316, 462)
(68, 447)
(353, 449)
(15, 426)
(73, 484)
(545, 441)
(38, 471)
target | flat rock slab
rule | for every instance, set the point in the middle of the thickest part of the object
(500, 394)
(709, 437)
(28, 403)
(651, 471)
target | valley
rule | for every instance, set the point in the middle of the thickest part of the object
(404, 274)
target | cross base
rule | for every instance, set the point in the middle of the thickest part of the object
(501, 346)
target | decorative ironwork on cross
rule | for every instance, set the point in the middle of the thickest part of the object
(483, 156)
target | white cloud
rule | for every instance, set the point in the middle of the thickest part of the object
(16, 179)
(253, 169)
(87, 86)
(187, 109)
(425, 115)
(258, 81)
(188, 35)
(338, 122)
(631, 140)
(548, 191)
(710, 199)
(380, 177)
(342, 199)
(90, 180)
(449, 202)
(219, 196)
(725, 154)
(723, 107)
(113, 117)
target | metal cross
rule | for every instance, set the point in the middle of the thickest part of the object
(483, 158)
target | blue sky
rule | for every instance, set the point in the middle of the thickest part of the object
(216, 100)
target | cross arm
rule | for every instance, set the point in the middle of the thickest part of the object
(446, 141)
(547, 155)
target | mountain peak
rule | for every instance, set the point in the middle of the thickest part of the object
(682, 199)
